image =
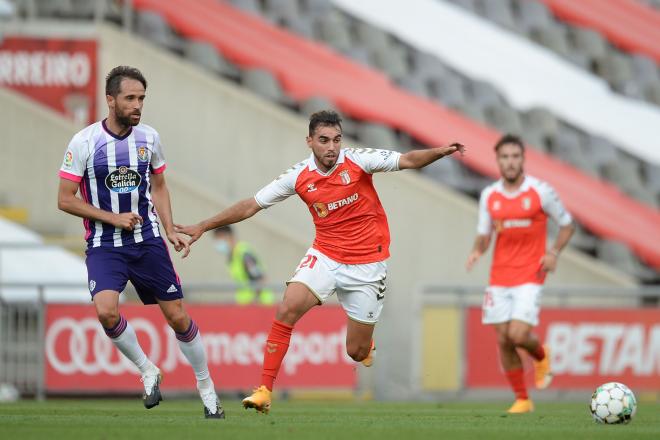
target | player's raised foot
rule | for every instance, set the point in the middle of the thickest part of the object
(542, 371)
(369, 360)
(151, 382)
(212, 407)
(521, 406)
(259, 400)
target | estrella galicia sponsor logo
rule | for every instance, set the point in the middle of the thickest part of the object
(123, 180)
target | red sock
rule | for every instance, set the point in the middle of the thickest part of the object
(539, 353)
(276, 347)
(517, 381)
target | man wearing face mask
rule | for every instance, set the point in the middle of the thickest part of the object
(243, 267)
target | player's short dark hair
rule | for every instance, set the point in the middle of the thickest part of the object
(510, 139)
(324, 118)
(224, 230)
(116, 75)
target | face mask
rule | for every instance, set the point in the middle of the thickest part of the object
(222, 246)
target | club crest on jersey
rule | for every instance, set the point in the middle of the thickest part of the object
(142, 154)
(345, 177)
(321, 209)
(68, 159)
(123, 180)
(526, 203)
(311, 187)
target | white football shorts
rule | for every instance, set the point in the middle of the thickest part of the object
(360, 287)
(520, 303)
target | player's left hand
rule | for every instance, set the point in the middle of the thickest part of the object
(548, 262)
(460, 148)
(179, 243)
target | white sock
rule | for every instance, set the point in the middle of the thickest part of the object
(192, 348)
(127, 343)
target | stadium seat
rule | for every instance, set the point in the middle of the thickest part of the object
(376, 135)
(498, 11)
(588, 42)
(416, 85)
(532, 15)
(392, 60)
(300, 24)
(600, 151)
(281, 9)
(644, 69)
(251, 6)
(316, 8)
(450, 90)
(554, 38)
(618, 255)
(334, 29)
(614, 67)
(208, 57)
(542, 121)
(263, 83)
(428, 67)
(504, 118)
(315, 104)
(484, 94)
(372, 37)
(154, 28)
(567, 144)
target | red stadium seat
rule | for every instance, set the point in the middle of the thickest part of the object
(307, 69)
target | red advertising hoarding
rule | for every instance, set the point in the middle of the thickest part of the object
(80, 357)
(588, 347)
(60, 73)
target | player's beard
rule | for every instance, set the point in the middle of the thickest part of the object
(125, 120)
(515, 178)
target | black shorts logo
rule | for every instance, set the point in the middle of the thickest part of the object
(123, 180)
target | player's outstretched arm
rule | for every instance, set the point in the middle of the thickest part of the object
(481, 244)
(161, 198)
(234, 214)
(68, 202)
(420, 158)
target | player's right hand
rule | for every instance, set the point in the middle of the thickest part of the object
(472, 259)
(192, 231)
(126, 220)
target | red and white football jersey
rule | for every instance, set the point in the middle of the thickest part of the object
(519, 220)
(351, 225)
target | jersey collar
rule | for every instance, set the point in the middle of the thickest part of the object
(312, 164)
(524, 186)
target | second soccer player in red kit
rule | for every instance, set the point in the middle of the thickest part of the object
(352, 240)
(516, 208)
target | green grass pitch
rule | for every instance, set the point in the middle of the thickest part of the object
(290, 420)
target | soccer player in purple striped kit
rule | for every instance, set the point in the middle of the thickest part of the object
(117, 166)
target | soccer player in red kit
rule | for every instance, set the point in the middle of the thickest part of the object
(516, 208)
(352, 240)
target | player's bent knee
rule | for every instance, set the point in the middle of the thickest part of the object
(518, 339)
(108, 317)
(287, 313)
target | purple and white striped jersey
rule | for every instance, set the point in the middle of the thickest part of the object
(114, 176)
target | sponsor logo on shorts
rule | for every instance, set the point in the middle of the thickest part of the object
(172, 289)
(123, 180)
(92, 285)
(142, 154)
